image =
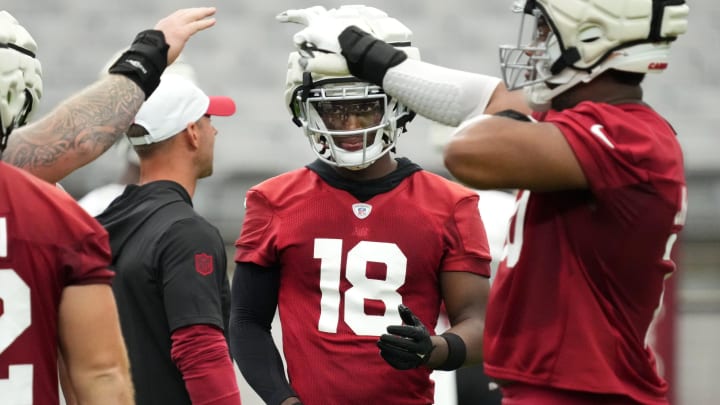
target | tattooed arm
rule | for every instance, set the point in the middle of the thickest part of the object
(77, 131)
(84, 126)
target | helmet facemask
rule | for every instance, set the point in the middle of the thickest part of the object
(525, 63)
(531, 63)
(349, 124)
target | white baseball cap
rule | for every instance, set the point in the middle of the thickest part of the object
(176, 103)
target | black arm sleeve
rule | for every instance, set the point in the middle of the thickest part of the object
(254, 300)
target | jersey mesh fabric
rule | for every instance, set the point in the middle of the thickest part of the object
(50, 243)
(345, 268)
(584, 271)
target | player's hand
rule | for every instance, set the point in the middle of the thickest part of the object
(406, 346)
(323, 52)
(322, 27)
(179, 26)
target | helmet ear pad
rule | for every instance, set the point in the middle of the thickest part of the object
(20, 74)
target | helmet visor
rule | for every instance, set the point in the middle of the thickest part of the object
(343, 115)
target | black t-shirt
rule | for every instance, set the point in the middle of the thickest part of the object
(171, 273)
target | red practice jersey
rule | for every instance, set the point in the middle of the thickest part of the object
(583, 270)
(47, 242)
(345, 267)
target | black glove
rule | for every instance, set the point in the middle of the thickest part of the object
(406, 346)
(145, 61)
(368, 58)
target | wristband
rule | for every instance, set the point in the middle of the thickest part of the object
(144, 61)
(368, 58)
(456, 352)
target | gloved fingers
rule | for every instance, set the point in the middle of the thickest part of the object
(400, 357)
(357, 11)
(308, 41)
(400, 343)
(301, 38)
(401, 361)
(303, 16)
(407, 316)
(412, 332)
(329, 64)
(392, 345)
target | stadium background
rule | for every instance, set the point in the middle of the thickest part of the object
(244, 56)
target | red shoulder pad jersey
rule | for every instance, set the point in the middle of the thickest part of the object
(47, 242)
(345, 267)
(583, 271)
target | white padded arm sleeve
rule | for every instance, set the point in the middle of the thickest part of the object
(444, 95)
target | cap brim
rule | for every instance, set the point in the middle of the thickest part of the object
(220, 105)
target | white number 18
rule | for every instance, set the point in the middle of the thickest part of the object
(329, 251)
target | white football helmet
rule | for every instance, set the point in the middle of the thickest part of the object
(323, 104)
(573, 41)
(20, 76)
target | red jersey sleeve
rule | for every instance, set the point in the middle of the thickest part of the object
(87, 261)
(255, 243)
(468, 248)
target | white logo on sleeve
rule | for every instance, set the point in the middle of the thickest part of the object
(597, 130)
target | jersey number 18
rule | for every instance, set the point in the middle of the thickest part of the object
(329, 251)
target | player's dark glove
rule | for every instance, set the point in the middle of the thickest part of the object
(368, 58)
(406, 346)
(144, 61)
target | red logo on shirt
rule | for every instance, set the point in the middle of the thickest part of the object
(204, 264)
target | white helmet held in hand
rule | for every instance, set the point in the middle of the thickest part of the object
(349, 123)
(566, 42)
(20, 76)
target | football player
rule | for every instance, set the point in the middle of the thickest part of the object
(359, 249)
(603, 193)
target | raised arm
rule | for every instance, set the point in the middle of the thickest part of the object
(348, 42)
(77, 131)
(84, 126)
